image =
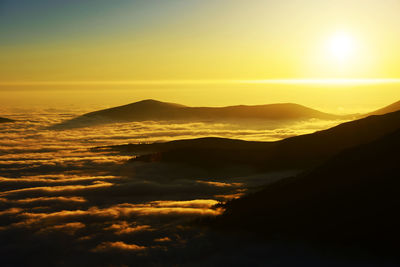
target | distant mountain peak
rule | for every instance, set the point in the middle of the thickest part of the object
(150, 101)
(153, 101)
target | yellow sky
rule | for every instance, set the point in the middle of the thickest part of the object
(229, 40)
(131, 44)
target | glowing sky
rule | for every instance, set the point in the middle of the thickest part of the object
(72, 43)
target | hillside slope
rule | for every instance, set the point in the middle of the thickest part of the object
(351, 199)
(296, 152)
(390, 108)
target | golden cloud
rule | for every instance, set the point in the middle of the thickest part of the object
(124, 227)
(118, 245)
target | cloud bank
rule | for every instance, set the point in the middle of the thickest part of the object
(63, 204)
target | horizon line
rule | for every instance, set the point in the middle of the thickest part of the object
(330, 81)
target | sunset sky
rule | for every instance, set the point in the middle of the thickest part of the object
(244, 49)
(199, 132)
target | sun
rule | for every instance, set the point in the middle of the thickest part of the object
(341, 47)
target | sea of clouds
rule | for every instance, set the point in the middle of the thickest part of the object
(64, 204)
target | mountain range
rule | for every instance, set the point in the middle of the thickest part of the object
(352, 199)
(152, 110)
(346, 197)
(299, 152)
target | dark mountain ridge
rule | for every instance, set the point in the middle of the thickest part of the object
(152, 110)
(297, 152)
(351, 199)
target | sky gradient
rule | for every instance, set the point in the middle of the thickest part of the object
(139, 44)
(151, 40)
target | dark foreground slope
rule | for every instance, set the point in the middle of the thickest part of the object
(152, 110)
(352, 199)
(297, 152)
(3, 120)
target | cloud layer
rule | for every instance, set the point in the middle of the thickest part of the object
(84, 207)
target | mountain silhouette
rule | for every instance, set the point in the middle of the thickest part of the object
(3, 120)
(351, 199)
(391, 108)
(297, 152)
(152, 110)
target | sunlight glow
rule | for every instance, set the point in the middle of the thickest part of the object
(326, 81)
(341, 46)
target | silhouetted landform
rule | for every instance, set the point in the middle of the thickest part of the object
(388, 109)
(216, 143)
(152, 110)
(4, 120)
(297, 152)
(350, 200)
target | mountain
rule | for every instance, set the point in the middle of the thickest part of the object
(152, 110)
(212, 153)
(350, 200)
(391, 108)
(3, 120)
(297, 152)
